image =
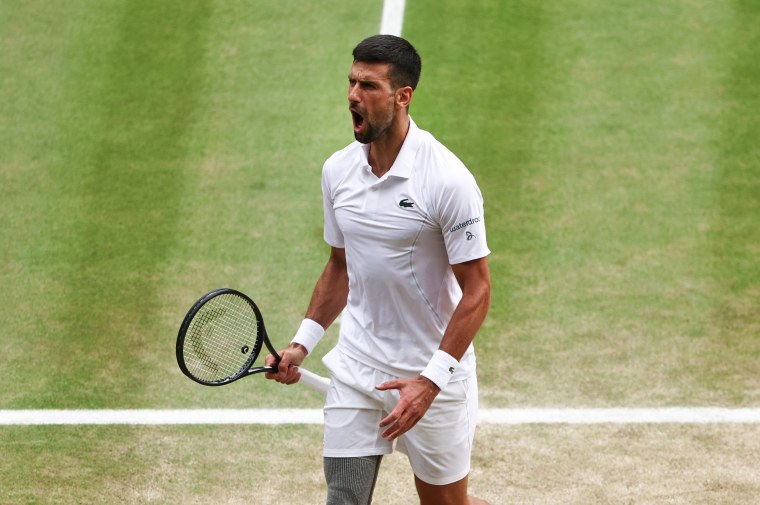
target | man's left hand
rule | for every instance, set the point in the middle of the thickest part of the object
(416, 395)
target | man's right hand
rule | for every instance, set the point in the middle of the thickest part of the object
(287, 370)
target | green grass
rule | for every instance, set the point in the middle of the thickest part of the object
(152, 151)
(156, 151)
(160, 152)
(620, 191)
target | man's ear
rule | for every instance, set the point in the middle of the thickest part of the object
(404, 96)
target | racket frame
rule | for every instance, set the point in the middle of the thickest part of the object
(262, 339)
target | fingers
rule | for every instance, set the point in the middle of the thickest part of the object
(285, 374)
(393, 384)
(402, 419)
(399, 421)
(415, 397)
(287, 368)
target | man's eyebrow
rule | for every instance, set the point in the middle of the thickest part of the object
(367, 80)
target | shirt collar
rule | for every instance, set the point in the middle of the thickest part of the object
(404, 163)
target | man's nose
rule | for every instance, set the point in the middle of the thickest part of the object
(353, 93)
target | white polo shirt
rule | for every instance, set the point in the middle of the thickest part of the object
(401, 233)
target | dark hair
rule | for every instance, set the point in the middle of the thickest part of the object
(406, 64)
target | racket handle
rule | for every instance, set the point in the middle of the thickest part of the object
(316, 382)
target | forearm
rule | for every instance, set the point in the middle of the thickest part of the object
(474, 279)
(465, 322)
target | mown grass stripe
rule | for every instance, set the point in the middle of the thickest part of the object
(734, 225)
(133, 79)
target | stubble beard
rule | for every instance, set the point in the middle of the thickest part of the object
(368, 136)
(374, 130)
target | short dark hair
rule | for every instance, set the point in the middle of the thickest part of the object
(406, 64)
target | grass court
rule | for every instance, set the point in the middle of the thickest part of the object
(153, 150)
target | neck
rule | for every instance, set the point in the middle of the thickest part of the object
(384, 150)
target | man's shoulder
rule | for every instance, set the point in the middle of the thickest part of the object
(438, 163)
(433, 152)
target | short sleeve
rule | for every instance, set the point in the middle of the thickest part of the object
(461, 217)
(332, 234)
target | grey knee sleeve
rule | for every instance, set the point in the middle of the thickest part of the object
(351, 481)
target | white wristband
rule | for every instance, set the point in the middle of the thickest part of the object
(440, 368)
(309, 334)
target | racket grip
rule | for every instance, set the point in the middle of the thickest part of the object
(316, 382)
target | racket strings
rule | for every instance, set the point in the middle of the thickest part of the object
(221, 339)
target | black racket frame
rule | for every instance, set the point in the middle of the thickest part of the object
(262, 339)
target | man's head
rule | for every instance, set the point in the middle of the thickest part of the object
(405, 63)
(384, 74)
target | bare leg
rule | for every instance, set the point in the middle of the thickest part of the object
(450, 494)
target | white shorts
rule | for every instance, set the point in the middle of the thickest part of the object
(438, 446)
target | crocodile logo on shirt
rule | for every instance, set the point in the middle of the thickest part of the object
(406, 204)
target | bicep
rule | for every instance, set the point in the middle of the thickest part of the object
(338, 258)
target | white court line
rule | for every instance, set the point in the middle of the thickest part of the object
(173, 416)
(516, 416)
(679, 415)
(393, 17)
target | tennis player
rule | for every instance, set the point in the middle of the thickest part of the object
(404, 219)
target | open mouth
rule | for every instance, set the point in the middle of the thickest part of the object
(358, 120)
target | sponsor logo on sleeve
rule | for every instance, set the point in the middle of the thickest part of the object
(465, 224)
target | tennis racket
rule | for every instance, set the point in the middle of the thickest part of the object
(221, 337)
